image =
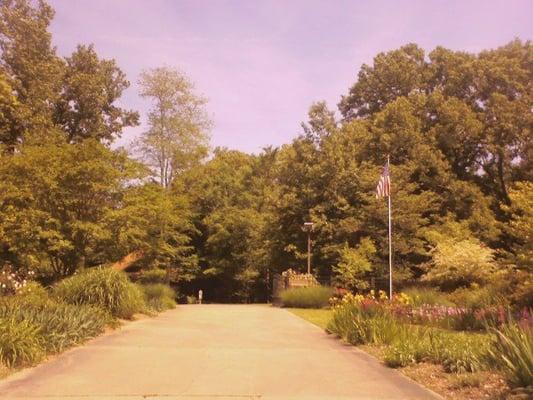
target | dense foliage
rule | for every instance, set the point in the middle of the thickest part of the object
(36, 321)
(306, 297)
(457, 127)
(159, 297)
(103, 287)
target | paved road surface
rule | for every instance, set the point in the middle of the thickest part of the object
(213, 352)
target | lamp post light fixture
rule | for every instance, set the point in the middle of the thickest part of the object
(308, 227)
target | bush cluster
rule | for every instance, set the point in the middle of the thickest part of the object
(35, 322)
(159, 297)
(455, 351)
(30, 327)
(154, 275)
(307, 297)
(19, 342)
(103, 287)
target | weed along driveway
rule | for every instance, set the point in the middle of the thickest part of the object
(214, 351)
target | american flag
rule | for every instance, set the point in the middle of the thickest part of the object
(383, 188)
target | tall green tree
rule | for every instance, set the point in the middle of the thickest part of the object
(520, 226)
(9, 114)
(178, 124)
(394, 74)
(88, 106)
(158, 225)
(229, 196)
(32, 69)
(54, 204)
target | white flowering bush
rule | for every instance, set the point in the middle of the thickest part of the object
(460, 263)
(13, 281)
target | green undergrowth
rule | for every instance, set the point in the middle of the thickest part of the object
(159, 297)
(103, 287)
(36, 322)
(306, 297)
(508, 349)
(30, 329)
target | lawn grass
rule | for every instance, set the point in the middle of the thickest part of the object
(319, 317)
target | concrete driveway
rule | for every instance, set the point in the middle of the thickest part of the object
(214, 352)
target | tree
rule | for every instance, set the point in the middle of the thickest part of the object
(90, 89)
(394, 74)
(321, 122)
(229, 196)
(177, 136)
(355, 264)
(157, 224)
(54, 204)
(460, 263)
(8, 115)
(520, 226)
(32, 69)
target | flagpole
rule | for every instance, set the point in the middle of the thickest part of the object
(390, 230)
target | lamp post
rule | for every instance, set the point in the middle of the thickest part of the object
(308, 227)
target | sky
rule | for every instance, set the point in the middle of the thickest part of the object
(262, 64)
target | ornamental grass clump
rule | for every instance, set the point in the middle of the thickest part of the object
(512, 353)
(103, 287)
(159, 297)
(59, 325)
(20, 342)
(307, 297)
(456, 352)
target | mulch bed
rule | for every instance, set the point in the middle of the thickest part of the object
(486, 385)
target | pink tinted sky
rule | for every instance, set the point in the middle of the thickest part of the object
(262, 63)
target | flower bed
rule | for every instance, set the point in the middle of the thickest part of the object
(446, 317)
(438, 334)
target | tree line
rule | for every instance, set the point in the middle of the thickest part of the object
(457, 126)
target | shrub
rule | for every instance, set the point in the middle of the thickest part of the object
(478, 297)
(154, 275)
(105, 288)
(307, 297)
(159, 297)
(513, 353)
(354, 265)
(401, 355)
(460, 263)
(19, 342)
(13, 280)
(60, 325)
(421, 296)
(460, 352)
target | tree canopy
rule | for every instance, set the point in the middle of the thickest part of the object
(457, 127)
